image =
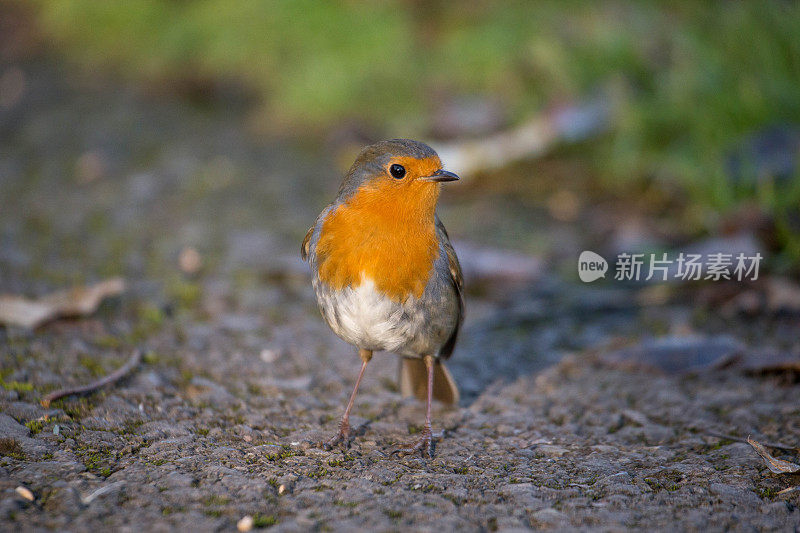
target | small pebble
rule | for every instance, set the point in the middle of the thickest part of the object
(25, 493)
(56, 429)
(281, 489)
(245, 524)
(190, 261)
(268, 355)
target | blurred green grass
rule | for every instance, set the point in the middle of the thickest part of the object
(695, 77)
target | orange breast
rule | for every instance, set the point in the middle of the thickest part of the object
(385, 232)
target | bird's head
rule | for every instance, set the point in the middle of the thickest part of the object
(399, 174)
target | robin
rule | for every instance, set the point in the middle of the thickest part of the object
(385, 275)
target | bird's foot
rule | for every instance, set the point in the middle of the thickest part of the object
(341, 438)
(424, 445)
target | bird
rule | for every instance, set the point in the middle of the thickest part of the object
(385, 275)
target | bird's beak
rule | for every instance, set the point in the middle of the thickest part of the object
(441, 175)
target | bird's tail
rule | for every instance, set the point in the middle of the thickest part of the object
(414, 381)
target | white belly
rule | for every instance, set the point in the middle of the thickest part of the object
(368, 319)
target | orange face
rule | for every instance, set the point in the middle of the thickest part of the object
(385, 232)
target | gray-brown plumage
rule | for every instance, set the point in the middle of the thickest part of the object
(384, 272)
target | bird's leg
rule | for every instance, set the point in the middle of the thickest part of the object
(425, 442)
(343, 436)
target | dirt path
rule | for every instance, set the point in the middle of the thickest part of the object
(240, 376)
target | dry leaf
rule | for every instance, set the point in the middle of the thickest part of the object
(771, 363)
(777, 466)
(532, 139)
(772, 295)
(26, 493)
(79, 301)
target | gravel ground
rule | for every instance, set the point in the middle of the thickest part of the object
(569, 418)
(581, 444)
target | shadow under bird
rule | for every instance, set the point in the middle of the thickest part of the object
(385, 275)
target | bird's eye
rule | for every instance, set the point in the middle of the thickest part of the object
(397, 171)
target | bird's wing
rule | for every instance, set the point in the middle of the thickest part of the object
(305, 248)
(457, 279)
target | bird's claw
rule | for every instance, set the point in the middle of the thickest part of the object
(424, 445)
(342, 437)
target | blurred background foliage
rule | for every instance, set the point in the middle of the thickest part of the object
(704, 89)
